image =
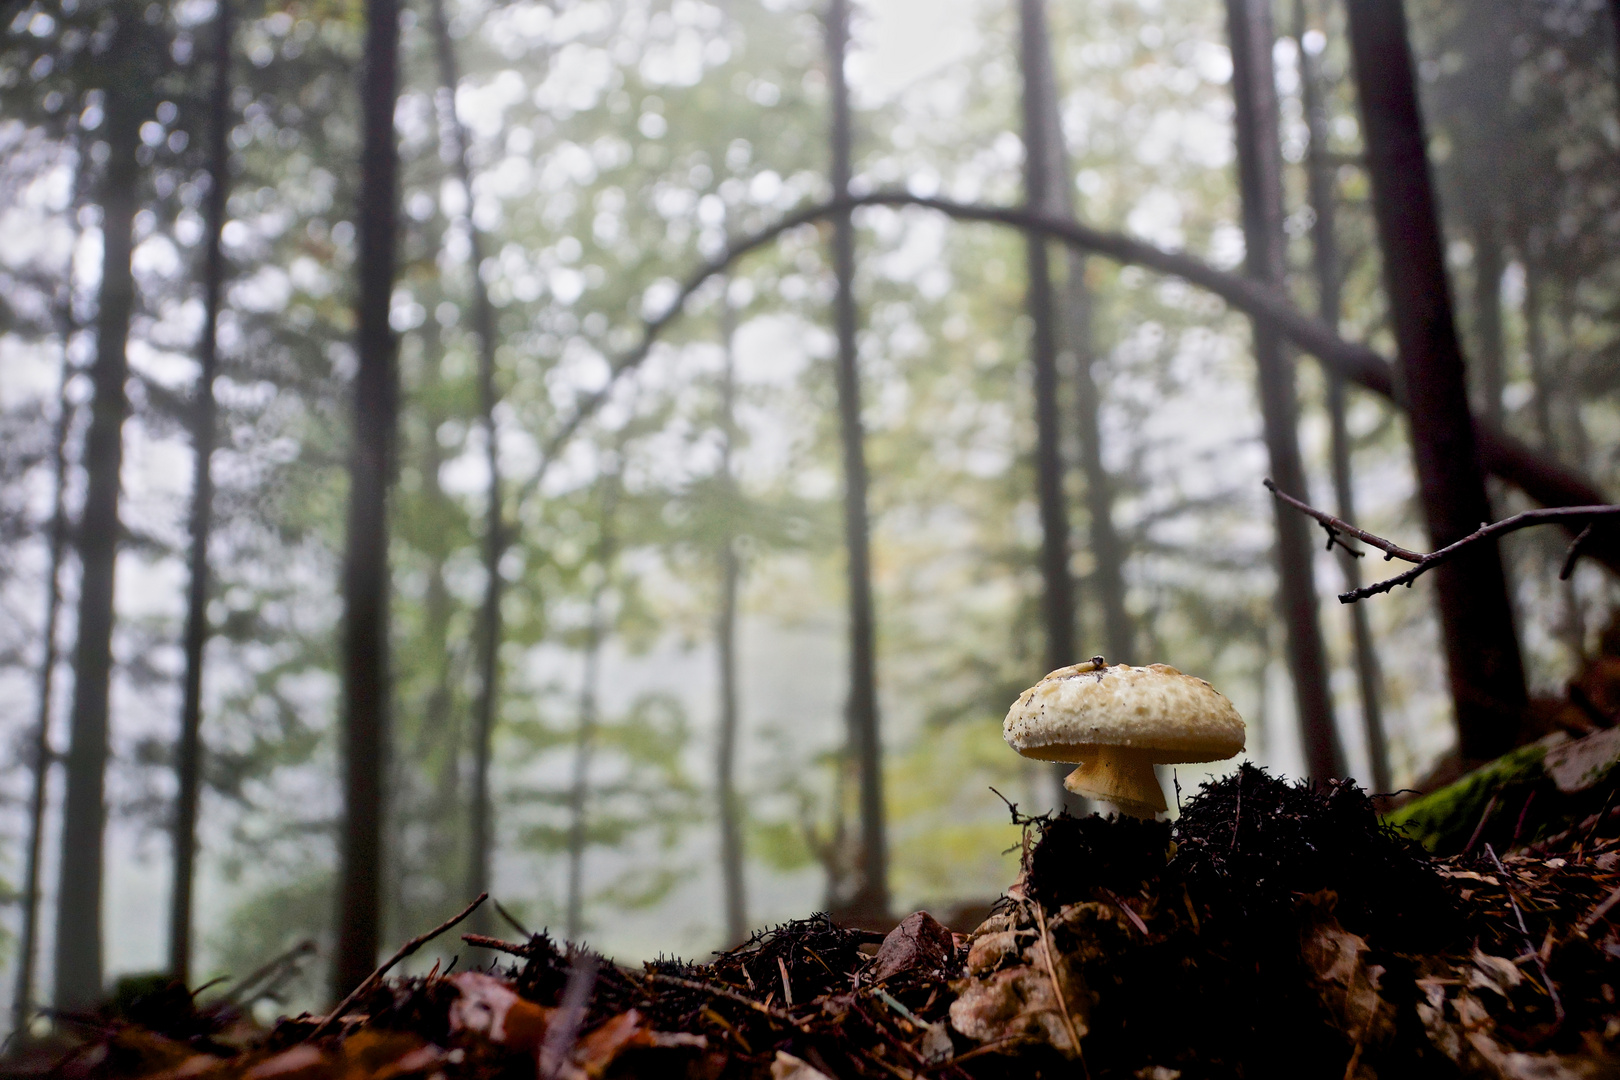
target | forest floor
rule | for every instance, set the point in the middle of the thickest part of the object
(1273, 929)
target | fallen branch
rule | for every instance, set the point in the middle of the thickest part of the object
(1338, 528)
(376, 977)
(1541, 478)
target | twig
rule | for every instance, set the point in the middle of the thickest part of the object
(252, 979)
(1473, 838)
(1047, 946)
(1530, 945)
(1574, 551)
(509, 917)
(564, 1033)
(376, 977)
(1119, 902)
(721, 991)
(495, 944)
(1422, 563)
(1598, 912)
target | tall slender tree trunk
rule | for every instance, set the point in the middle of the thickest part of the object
(1482, 652)
(871, 895)
(84, 814)
(1535, 347)
(1074, 330)
(56, 539)
(1040, 167)
(188, 759)
(365, 576)
(1057, 603)
(1260, 179)
(481, 838)
(732, 879)
(1488, 316)
(585, 735)
(1329, 278)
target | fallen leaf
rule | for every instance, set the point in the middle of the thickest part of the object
(788, 1067)
(919, 943)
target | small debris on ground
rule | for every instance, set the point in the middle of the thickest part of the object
(1274, 929)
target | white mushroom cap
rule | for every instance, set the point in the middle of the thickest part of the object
(1155, 711)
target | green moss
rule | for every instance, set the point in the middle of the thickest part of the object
(1442, 821)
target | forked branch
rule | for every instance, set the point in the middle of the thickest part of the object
(1337, 529)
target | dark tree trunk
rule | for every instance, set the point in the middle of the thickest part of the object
(1040, 168)
(365, 577)
(732, 880)
(871, 895)
(1260, 179)
(1057, 603)
(28, 935)
(84, 814)
(1482, 652)
(188, 759)
(481, 831)
(1535, 347)
(1488, 316)
(1325, 251)
(585, 735)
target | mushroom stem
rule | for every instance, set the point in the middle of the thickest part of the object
(1119, 775)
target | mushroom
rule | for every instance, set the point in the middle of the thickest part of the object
(1117, 723)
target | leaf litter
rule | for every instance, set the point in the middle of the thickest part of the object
(1274, 929)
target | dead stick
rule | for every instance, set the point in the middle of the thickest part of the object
(1598, 912)
(721, 991)
(377, 976)
(1424, 563)
(1047, 945)
(1530, 946)
(495, 944)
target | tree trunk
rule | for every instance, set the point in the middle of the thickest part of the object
(1325, 252)
(188, 759)
(871, 894)
(585, 736)
(481, 837)
(366, 581)
(1074, 328)
(1488, 316)
(1057, 604)
(1482, 653)
(1260, 179)
(84, 815)
(1535, 347)
(732, 879)
(28, 936)
(1040, 167)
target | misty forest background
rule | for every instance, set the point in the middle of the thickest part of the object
(771, 554)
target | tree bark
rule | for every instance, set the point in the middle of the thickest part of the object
(188, 758)
(1325, 256)
(366, 579)
(871, 894)
(732, 876)
(1040, 166)
(1075, 333)
(1535, 347)
(56, 540)
(1260, 179)
(1488, 315)
(481, 830)
(78, 970)
(1057, 603)
(1482, 652)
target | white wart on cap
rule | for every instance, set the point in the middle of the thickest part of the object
(1117, 723)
